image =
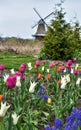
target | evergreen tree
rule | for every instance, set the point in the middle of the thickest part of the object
(61, 38)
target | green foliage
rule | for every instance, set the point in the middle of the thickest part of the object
(62, 38)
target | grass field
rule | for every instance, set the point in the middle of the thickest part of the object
(14, 52)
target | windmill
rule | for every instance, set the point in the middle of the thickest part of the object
(41, 26)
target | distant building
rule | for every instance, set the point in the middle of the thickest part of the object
(40, 33)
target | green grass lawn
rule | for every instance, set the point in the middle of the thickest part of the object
(11, 60)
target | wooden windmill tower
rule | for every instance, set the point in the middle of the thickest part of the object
(41, 26)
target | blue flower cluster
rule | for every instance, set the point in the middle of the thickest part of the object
(41, 93)
(73, 122)
(57, 125)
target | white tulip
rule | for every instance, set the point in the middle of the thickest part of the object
(72, 70)
(32, 87)
(67, 78)
(5, 77)
(47, 70)
(78, 81)
(12, 71)
(15, 118)
(42, 68)
(29, 66)
(76, 67)
(65, 70)
(3, 109)
(63, 82)
(18, 82)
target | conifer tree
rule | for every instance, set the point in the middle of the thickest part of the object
(61, 38)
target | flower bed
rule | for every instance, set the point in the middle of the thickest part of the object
(33, 101)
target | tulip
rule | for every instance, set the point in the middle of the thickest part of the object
(76, 66)
(5, 78)
(57, 62)
(22, 68)
(62, 67)
(48, 76)
(2, 97)
(69, 62)
(12, 71)
(58, 69)
(29, 66)
(75, 59)
(39, 76)
(37, 63)
(3, 109)
(23, 77)
(32, 87)
(78, 81)
(50, 65)
(15, 118)
(18, 73)
(18, 83)
(43, 68)
(49, 100)
(59, 81)
(2, 67)
(75, 72)
(47, 70)
(11, 81)
(63, 82)
(44, 61)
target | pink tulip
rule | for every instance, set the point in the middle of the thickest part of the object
(37, 63)
(2, 67)
(62, 67)
(44, 61)
(22, 68)
(75, 59)
(18, 73)
(11, 82)
(57, 62)
(50, 65)
(23, 78)
(69, 62)
(75, 72)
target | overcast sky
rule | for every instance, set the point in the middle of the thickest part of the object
(17, 16)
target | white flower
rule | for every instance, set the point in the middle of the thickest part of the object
(72, 70)
(32, 87)
(5, 77)
(3, 109)
(63, 82)
(29, 66)
(78, 81)
(76, 67)
(42, 68)
(12, 71)
(47, 70)
(18, 82)
(15, 118)
(65, 70)
(67, 78)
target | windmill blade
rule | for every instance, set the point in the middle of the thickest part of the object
(37, 13)
(41, 19)
(48, 15)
